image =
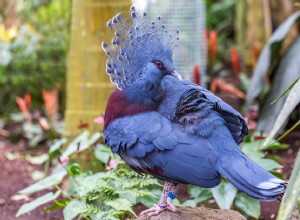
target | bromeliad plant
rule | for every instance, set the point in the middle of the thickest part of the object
(91, 195)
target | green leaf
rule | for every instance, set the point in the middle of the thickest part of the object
(37, 175)
(37, 202)
(275, 146)
(267, 164)
(224, 194)
(57, 144)
(73, 209)
(266, 58)
(74, 169)
(252, 150)
(102, 153)
(72, 147)
(37, 159)
(200, 194)
(189, 202)
(289, 105)
(292, 193)
(85, 184)
(121, 204)
(286, 91)
(81, 140)
(53, 179)
(284, 75)
(149, 200)
(58, 204)
(248, 205)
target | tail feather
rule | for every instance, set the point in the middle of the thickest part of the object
(250, 178)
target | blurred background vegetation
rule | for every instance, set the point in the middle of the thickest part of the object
(53, 92)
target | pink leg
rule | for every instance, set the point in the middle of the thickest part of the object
(171, 206)
(164, 203)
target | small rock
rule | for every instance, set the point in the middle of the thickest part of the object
(198, 213)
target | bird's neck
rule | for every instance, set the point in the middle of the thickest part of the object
(145, 91)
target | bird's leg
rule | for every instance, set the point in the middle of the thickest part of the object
(164, 203)
(171, 196)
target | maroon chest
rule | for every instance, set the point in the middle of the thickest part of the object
(119, 106)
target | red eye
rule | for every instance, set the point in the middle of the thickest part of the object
(158, 64)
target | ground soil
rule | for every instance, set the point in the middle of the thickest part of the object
(14, 176)
(189, 213)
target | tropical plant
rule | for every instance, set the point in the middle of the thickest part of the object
(91, 195)
(33, 55)
(292, 194)
(280, 72)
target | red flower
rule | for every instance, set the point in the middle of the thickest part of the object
(27, 99)
(213, 38)
(235, 61)
(196, 71)
(23, 107)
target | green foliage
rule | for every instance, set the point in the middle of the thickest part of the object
(283, 73)
(249, 205)
(220, 17)
(292, 194)
(224, 194)
(37, 202)
(99, 195)
(292, 100)
(35, 58)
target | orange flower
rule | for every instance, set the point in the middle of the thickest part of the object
(51, 103)
(235, 61)
(213, 38)
(23, 107)
(255, 51)
(196, 71)
(27, 99)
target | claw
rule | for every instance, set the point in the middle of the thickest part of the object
(171, 207)
(154, 211)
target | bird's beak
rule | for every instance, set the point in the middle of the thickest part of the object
(176, 74)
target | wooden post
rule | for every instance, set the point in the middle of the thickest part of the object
(88, 86)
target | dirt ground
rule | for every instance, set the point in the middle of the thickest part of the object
(16, 175)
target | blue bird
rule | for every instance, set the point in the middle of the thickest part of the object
(168, 127)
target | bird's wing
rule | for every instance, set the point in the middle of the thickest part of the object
(196, 99)
(150, 143)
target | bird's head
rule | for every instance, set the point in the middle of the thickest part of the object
(140, 48)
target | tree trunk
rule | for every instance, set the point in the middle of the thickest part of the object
(88, 85)
(255, 21)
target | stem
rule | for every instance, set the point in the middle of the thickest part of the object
(61, 190)
(289, 131)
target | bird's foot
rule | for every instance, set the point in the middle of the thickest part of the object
(157, 209)
(171, 207)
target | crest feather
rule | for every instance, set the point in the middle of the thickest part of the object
(136, 41)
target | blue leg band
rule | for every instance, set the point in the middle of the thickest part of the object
(171, 195)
